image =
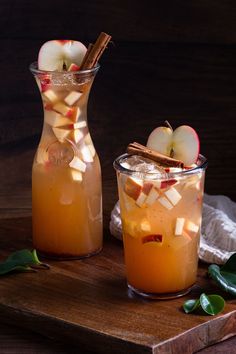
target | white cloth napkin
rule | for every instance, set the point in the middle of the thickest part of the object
(218, 232)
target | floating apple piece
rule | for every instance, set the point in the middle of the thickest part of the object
(72, 97)
(152, 238)
(73, 67)
(181, 144)
(58, 55)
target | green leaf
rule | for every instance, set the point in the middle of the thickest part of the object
(225, 276)
(22, 261)
(212, 304)
(191, 305)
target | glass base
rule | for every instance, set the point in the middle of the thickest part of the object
(161, 296)
(65, 257)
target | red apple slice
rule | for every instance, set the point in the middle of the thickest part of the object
(56, 55)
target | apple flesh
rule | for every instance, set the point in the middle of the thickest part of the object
(181, 144)
(58, 55)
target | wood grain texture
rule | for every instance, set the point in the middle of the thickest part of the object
(86, 303)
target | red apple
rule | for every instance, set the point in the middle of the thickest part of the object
(58, 55)
(182, 143)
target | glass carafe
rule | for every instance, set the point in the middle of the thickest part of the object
(66, 174)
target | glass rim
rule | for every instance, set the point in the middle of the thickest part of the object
(33, 67)
(118, 167)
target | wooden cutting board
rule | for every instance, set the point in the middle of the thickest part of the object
(87, 305)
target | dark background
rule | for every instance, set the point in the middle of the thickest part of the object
(170, 60)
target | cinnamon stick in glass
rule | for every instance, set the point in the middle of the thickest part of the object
(141, 150)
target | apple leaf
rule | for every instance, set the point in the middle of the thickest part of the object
(212, 304)
(225, 276)
(22, 261)
(191, 305)
(209, 304)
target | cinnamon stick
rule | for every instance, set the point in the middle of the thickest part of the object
(141, 150)
(95, 51)
(90, 46)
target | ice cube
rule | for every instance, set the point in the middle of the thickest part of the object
(144, 165)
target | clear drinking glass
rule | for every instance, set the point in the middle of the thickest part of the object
(66, 174)
(161, 219)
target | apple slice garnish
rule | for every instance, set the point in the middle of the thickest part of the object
(181, 144)
(58, 55)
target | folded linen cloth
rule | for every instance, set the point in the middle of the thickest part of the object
(218, 232)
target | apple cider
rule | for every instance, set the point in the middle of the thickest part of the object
(161, 212)
(66, 174)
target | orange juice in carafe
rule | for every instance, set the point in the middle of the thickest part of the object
(66, 175)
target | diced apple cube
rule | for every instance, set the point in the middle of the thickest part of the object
(77, 113)
(156, 183)
(55, 119)
(165, 203)
(73, 67)
(141, 199)
(152, 238)
(86, 154)
(63, 109)
(72, 97)
(76, 135)
(147, 186)
(78, 164)
(190, 226)
(50, 96)
(179, 225)
(133, 187)
(79, 125)
(145, 226)
(173, 195)
(168, 183)
(76, 175)
(60, 133)
(152, 196)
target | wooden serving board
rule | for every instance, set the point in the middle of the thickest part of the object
(87, 305)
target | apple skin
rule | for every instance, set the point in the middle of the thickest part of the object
(182, 144)
(55, 55)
